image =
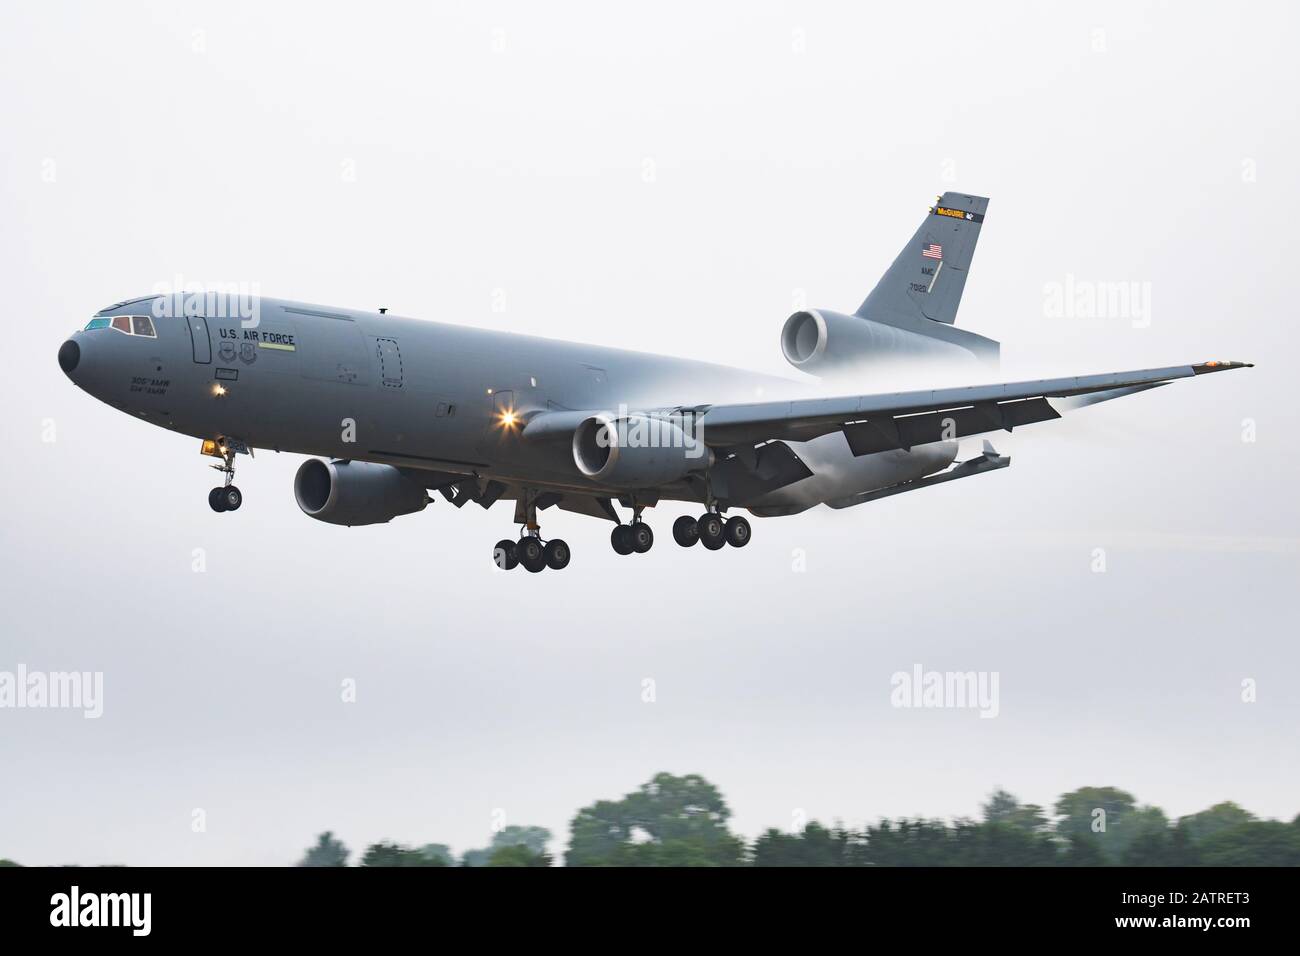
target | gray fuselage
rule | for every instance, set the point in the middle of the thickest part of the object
(424, 395)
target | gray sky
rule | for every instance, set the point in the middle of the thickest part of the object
(674, 179)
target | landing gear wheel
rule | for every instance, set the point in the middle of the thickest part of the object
(643, 538)
(531, 554)
(215, 501)
(711, 531)
(685, 531)
(556, 553)
(231, 498)
(737, 532)
(621, 539)
(506, 555)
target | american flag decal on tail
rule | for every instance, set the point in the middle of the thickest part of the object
(932, 251)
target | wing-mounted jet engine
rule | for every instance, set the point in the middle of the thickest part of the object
(356, 492)
(638, 451)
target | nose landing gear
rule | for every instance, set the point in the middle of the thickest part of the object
(227, 497)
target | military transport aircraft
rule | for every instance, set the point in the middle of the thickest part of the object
(397, 408)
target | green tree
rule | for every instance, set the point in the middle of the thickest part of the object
(440, 852)
(327, 852)
(1220, 817)
(534, 839)
(1257, 843)
(1082, 850)
(815, 846)
(393, 854)
(1100, 814)
(1000, 844)
(1002, 807)
(906, 843)
(1162, 847)
(518, 855)
(669, 821)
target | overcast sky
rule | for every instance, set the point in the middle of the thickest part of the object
(674, 178)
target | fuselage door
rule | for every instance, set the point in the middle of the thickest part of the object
(199, 339)
(390, 362)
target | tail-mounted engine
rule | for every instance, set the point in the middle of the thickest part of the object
(823, 342)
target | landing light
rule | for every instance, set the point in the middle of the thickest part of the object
(218, 390)
(509, 419)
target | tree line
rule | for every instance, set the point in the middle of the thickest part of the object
(683, 821)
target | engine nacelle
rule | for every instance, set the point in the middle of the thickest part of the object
(820, 342)
(355, 492)
(637, 451)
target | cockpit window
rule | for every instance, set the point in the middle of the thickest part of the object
(126, 324)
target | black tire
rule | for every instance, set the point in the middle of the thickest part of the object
(711, 530)
(737, 532)
(232, 498)
(557, 554)
(643, 538)
(531, 554)
(685, 531)
(621, 539)
(506, 555)
(215, 500)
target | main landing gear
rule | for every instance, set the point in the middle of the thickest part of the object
(530, 550)
(711, 531)
(227, 497)
(533, 553)
(633, 538)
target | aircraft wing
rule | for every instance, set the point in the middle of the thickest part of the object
(875, 423)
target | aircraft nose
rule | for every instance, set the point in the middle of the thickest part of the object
(69, 356)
